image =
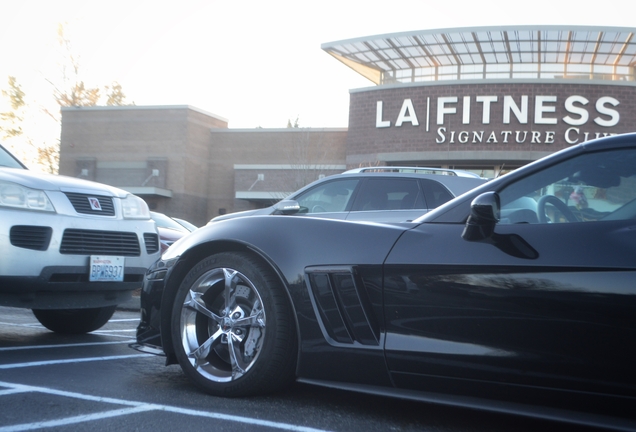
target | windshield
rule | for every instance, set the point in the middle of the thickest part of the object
(591, 187)
(7, 160)
(164, 221)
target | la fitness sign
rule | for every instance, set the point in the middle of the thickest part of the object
(580, 112)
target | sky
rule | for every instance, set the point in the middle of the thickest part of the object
(254, 63)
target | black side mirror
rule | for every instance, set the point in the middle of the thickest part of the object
(480, 227)
(484, 215)
(286, 207)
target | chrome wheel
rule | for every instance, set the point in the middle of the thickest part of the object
(222, 324)
(232, 327)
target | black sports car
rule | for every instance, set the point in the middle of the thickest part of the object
(518, 296)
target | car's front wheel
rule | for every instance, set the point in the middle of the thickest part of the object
(74, 321)
(232, 327)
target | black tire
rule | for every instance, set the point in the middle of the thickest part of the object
(231, 303)
(74, 321)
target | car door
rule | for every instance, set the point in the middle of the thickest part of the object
(547, 301)
(330, 199)
(388, 199)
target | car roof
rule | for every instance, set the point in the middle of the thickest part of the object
(457, 185)
(417, 170)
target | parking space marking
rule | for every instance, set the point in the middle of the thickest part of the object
(114, 331)
(10, 391)
(112, 335)
(30, 347)
(77, 419)
(135, 407)
(10, 324)
(78, 360)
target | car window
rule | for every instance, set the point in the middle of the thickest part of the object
(591, 187)
(436, 194)
(330, 196)
(388, 194)
(7, 160)
(164, 221)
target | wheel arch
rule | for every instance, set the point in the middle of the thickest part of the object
(189, 260)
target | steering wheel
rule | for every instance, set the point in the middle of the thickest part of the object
(318, 209)
(560, 206)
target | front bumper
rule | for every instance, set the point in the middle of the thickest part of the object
(45, 257)
(149, 330)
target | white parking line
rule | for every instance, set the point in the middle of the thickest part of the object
(31, 347)
(114, 331)
(135, 407)
(79, 360)
(77, 419)
(10, 324)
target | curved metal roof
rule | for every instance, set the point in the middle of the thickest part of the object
(477, 53)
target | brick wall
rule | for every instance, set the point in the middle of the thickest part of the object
(366, 141)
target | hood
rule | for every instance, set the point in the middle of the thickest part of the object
(263, 211)
(50, 182)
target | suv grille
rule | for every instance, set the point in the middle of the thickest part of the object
(31, 237)
(152, 242)
(82, 242)
(82, 204)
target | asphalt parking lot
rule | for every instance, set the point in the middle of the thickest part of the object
(95, 381)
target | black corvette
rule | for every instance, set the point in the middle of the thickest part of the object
(518, 296)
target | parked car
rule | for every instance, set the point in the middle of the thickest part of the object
(187, 225)
(70, 249)
(510, 298)
(379, 194)
(170, 229)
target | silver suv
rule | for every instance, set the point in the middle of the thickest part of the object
(375, 194)
(70, 249)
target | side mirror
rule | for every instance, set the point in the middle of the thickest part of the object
(286, 207)
(484, 215)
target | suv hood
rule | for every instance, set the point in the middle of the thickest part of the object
(52, 182)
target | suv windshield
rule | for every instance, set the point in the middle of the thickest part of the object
(7, 159)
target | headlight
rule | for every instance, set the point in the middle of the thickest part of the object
(16, 196)
(135, 208)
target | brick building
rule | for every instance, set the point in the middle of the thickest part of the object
(481, 99)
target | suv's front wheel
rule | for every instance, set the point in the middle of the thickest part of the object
(74, 321)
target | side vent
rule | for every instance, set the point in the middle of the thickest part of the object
(342, 304)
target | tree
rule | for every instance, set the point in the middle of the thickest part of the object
(11, 121)
(309, 155)
(115, 95)
(294, 125)
(68, 90)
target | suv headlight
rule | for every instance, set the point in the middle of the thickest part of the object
(17, 196)
(135, 208)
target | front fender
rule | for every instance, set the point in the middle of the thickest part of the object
(287, 244)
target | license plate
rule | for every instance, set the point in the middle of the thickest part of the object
(106, 269)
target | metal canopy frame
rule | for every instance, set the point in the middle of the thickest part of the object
(479, 53)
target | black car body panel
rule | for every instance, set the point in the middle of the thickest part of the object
(536, 316)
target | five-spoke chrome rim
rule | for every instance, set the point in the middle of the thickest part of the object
(222, 325)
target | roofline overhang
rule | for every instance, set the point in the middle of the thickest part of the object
(327, 45)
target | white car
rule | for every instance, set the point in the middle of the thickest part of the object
(70, 249)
